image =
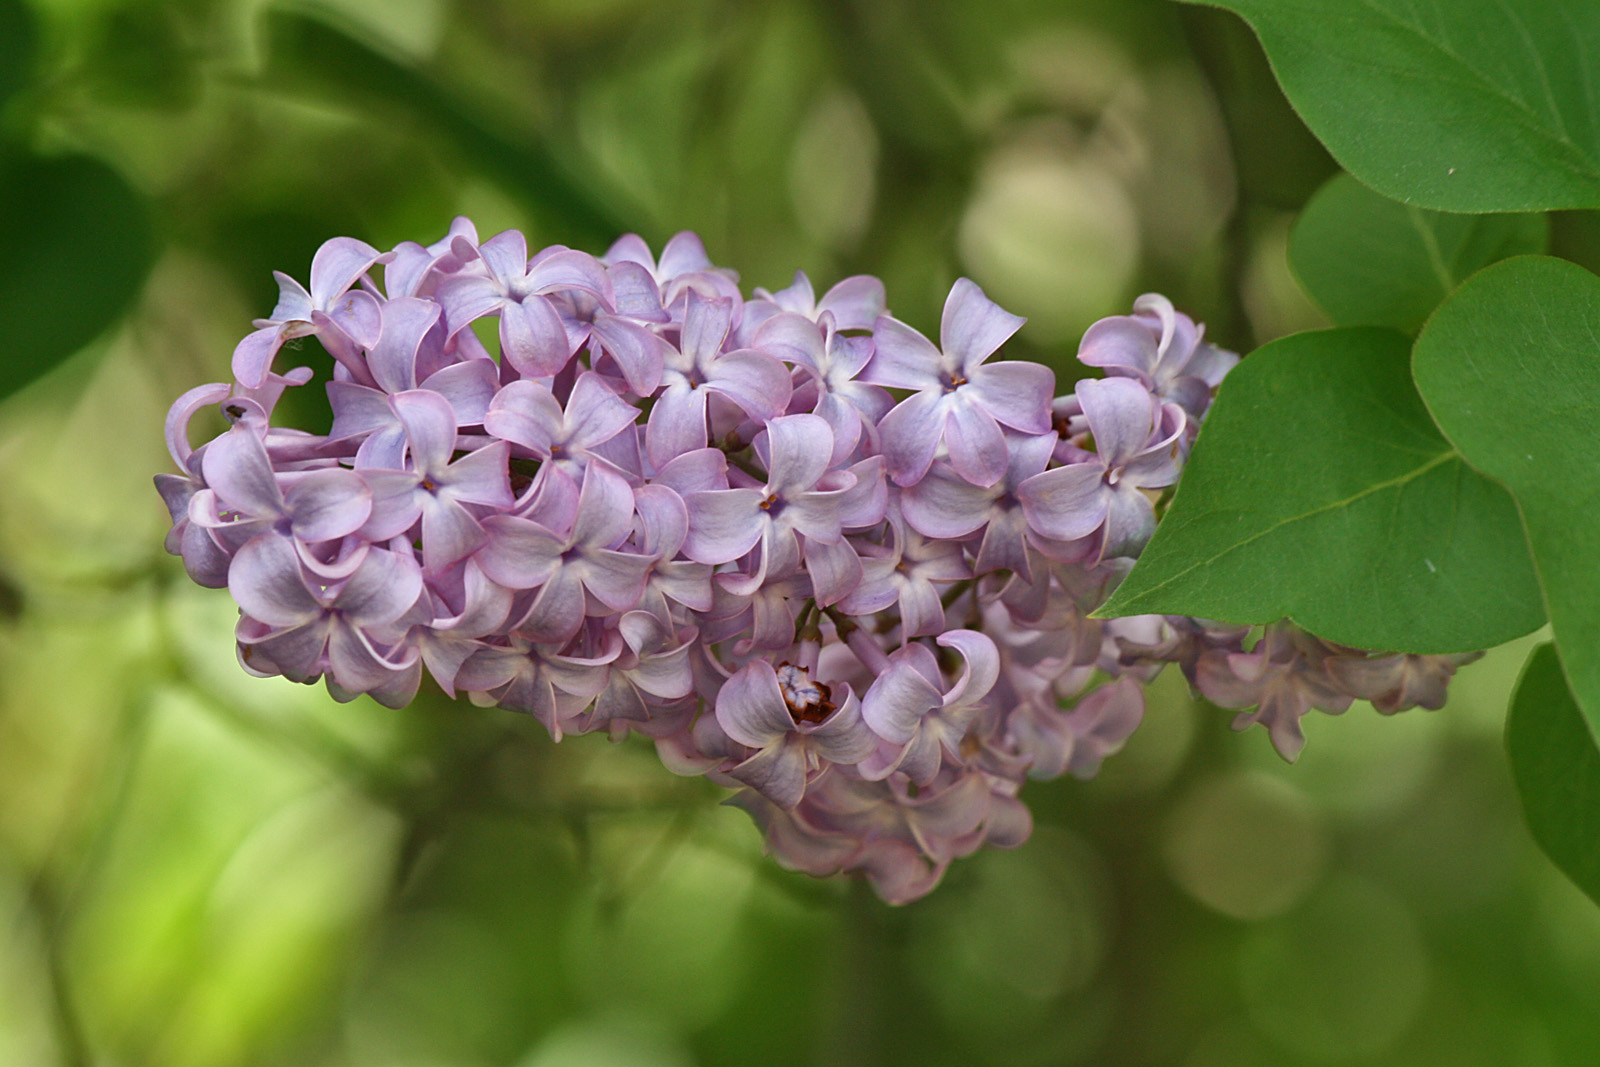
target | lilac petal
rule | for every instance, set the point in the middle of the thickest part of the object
(395, 507)
(973, 326)
(866, 502)
(1015, 393)
(835, 570)
(466, 298)
(800, 448)
(945, 506)
(843, 737)
(1120, 341)
(358, 316)
(506, 256)
(327, 504)
(723, 524)
(337, 265)
(352, 661)
(480, 477)
(635, 292)
(595, 414)
(855, 302)
(664, 518)
(1065, 503)
(1004, 546)
(616, 579)
(393, 361)
(777, 773)
(638, 352)
(897, 700)
(977, 447)
(705, 326)
(430, 424)
(449, 533)
(527, 414)
(677, 424)
(754, 380)
(294, 303)
(357, 410)
(911, 434)
(382, 589)
(844, 420)
(792, 338)
(533, 338)
(684, 252)
(236, 466)
(557, 610)
(921, 611)
(1130, 521)
(569, 268)
(469, 386)
(902, 357)
(1121, 413)
(695, 471)
(981, 670)
(182, 413)
(605, 508)
(520, 554)
(750, 706)
(265, 579)
(253, 355)
(296, 652)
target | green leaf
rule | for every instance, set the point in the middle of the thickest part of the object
(1557, 769)
(16, 47)
(1371, 261)
(1471, 105)
(1319, 489)
(74, 252)
(1510, 368)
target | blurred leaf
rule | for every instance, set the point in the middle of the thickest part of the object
(141, 59)
(307, 52)
(1510, 367)
(16, 47)
(1557, 769)
(75, 246)
(1320, 489)
(1474, 105)
(1371, 261)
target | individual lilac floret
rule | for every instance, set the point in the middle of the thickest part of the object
(1282, 678)
(960, 400)
(1395, 683)
(345, 320)
(1163, 349)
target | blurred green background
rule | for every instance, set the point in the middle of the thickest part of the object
(198, 869)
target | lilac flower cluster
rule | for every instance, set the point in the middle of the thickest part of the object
(802, 548)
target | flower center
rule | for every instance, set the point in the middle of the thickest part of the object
(808, 701)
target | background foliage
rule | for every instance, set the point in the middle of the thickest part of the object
(197, 868)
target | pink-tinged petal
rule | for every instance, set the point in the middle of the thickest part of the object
(595, 414)
(430, 424)
(902, 358)
(383, 588)
(527, 414)
(253, 356)
(1130, 521)
(1102, 722)
(294, 303)
(1065, 503)
(835, 570)
(921, 610)
(945, 505)
(976, 445)
(1120, 341)
(630, 248)
(467, 298)
(878, 588)
(723, 524)
(569, 269)
(683, 252)
(326, 504)
(635, 292)
(449, 533)
(677, 424)
(799, 449)
(519, 554)
(705, 327)
(204, 561)
(777, 773)
(754, 380)
(393, 361)
(617, 579)
(667, 675)
(357, 410)
(236, 466)
(395, 503)
(506, 256)
(981, 666)
(973, 326)
(695, 471)
(1121, 414)
(605, 508)
(866, 502)
(358, 316)
(843, 737)
(336, 267)
(479, 477)
(897, 700)
(183, 412)
(794, 339)
(639, 353)
(855, 302)
(354, 664)
(844, 420)
(557, 610)
(663, 520)
(750, 707)
(1017, 394)
(1004, 546)
(469, 386)
(265, 579)
(910, 435)
(295, 652)
(533, 338)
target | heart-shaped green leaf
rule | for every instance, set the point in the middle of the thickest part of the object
(1470, 105)
(1557, 769)
(1319, 489)
(1510, 368)
(73, 255)
(1371, 261)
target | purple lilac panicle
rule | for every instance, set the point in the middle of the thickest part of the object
(808, 552)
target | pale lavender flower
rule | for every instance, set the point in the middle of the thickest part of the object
(1282, 678)
(908, 705)
(1161, 348)
(345, 320)
(1396, 683)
